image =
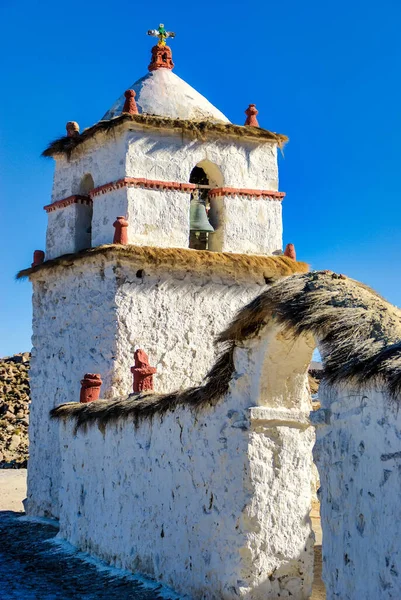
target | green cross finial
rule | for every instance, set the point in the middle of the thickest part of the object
(162, 34)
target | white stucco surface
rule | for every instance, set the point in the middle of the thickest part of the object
(169, 156)
(103, 158)
(247, 225)
(68, 230)
(358, 457)
(158, 218)
(73, 333)
(161, 217)
(216, 505)
(106, 208)
(90, 317)
(163, 93)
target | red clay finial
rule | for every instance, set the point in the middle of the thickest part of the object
(90, 388)
(72, 128)
(143, 372)
(162, 58)
(121, 231)
(290, 251)
(38, 258)
(130, 106)
(251, 113)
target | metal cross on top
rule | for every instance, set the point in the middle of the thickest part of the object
(162, 34)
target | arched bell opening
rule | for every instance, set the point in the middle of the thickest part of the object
(86, 184)
(203, 222)
(83, 233)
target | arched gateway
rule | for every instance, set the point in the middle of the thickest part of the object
(235, 503)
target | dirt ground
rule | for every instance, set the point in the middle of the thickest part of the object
(24, 573)
(12, 489)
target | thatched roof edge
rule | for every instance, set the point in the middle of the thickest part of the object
(193, 129)
(200, 261)
(359, 338)
(144, 406)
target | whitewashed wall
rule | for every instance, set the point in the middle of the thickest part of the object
(74, 315)
(215, 505)
(68, 230)
(247, 224)
(102, 157)
(175, 318)
(90, 317)
(106, 208)
(161, 218)
(169, 156)
(158, 218)
(166, 156)
(358, 454)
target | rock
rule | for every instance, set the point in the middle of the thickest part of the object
(14, 410)
(15, 442)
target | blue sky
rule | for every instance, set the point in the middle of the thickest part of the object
(325, 74)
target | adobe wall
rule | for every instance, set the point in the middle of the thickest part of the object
(104, 161)
(171, 157)
(91, 316)
(167, 156)
(358, 457)
(214, 504)
(245, 221)
(74, 312)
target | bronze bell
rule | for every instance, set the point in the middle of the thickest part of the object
(198, 220)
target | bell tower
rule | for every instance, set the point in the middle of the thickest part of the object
(165, 219)
(153, 149)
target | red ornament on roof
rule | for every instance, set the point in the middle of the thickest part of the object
(162, 58)
(130, 106)
(161, 54)
(121, 231)
(38, 258)
(90, 388)
(142, 372)
(251, 113)
(290, 251)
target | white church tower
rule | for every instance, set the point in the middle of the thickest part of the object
(165, 219)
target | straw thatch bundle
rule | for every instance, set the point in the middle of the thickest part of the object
(358, 333)
(192, 129)
(183, 259)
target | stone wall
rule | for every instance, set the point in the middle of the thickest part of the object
(14, 411)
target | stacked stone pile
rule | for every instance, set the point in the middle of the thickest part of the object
(14, 411)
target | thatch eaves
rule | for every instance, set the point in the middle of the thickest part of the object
(359, 337)
(193, 129)
(201, 262)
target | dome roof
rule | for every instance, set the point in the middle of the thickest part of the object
(161, 92)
